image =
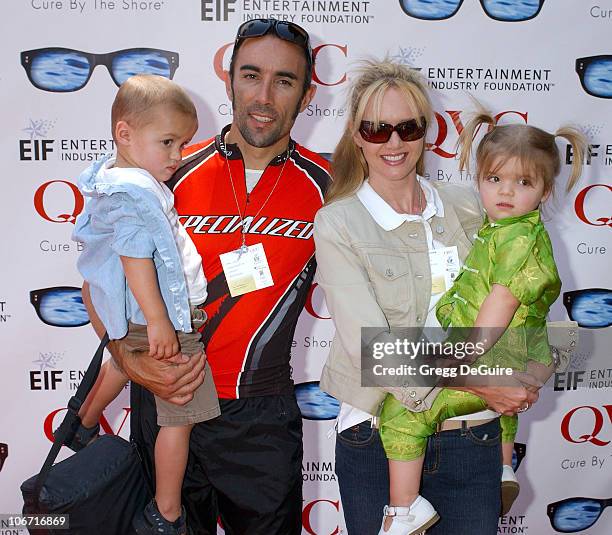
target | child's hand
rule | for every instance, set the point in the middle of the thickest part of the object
(163, 343)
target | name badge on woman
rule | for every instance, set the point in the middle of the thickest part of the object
(445, 266)
(246, 269)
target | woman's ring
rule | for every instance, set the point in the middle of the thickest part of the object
(523, 409)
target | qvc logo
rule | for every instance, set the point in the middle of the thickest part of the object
(581, 200)
(330, 51)
(70, 196)
(320, 299)
(592, 420)
(321, 510)
(50, 423)
(442, 129)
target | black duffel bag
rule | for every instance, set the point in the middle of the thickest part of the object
(100, 488)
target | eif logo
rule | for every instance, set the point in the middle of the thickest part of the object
(217, 10)
(36, 149)
(45, 379)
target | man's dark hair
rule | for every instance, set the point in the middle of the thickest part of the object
(310, 61)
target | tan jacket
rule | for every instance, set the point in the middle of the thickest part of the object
(378, 278)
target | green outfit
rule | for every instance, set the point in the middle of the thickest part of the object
(514, 252)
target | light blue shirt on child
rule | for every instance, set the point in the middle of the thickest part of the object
(121, 218)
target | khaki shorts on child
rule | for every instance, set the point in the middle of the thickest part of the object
(205, 404)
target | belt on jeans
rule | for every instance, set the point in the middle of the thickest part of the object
(449, 425)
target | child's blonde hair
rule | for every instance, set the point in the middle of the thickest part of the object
(371, 80)
(140, 94)
(534, 148)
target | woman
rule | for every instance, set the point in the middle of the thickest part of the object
(373, 241)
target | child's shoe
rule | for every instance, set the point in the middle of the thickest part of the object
(82, 437)
(151, 522)
(509, 489)
(410, 520)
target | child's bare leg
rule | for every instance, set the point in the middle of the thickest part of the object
(109, 384)
(171, 452)
(507, 450)
(404, 483)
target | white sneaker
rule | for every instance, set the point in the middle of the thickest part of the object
(410, 520)
(509, 489)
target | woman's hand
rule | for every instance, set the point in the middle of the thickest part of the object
(506, 400)
(518, 394)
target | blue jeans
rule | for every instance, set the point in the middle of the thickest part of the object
(461, 478)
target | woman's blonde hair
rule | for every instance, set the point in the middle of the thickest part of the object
(534, 148)
(140, 94)
(371, 80)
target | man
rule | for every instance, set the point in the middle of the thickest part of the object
(249, 192)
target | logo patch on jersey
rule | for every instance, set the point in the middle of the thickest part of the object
(263, 225)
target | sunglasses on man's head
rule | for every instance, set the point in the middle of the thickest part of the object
(575, 514)
(595, 75)
(61, 306)
(62, 70)
(501, 10)
(407, 131)
(591, 307)
(287, 31)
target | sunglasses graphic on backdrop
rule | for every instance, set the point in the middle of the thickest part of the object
(595, 75)
(591, 307)
(501, 10)
(518, 454)
(408, 130)
(3, 454)
(575, 514)
(61, 306)
(315, 404)
(62, 70)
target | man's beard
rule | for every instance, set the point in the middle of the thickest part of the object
(261, 140)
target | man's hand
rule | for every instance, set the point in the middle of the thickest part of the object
(163, 342)
(174, 379)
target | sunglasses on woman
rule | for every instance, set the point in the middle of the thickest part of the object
(407, 131)
(287, 31)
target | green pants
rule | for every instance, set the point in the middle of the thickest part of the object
(404, 433)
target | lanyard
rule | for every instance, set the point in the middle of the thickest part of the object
(243, 245)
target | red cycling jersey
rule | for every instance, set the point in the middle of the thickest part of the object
(248, 338)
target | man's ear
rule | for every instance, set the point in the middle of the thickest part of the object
(123, 133)
(308, 96)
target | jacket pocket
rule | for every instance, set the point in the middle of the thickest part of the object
(389, 276)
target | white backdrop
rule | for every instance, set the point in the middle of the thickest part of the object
(524, 71)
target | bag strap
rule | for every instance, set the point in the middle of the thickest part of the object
(71, 421)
